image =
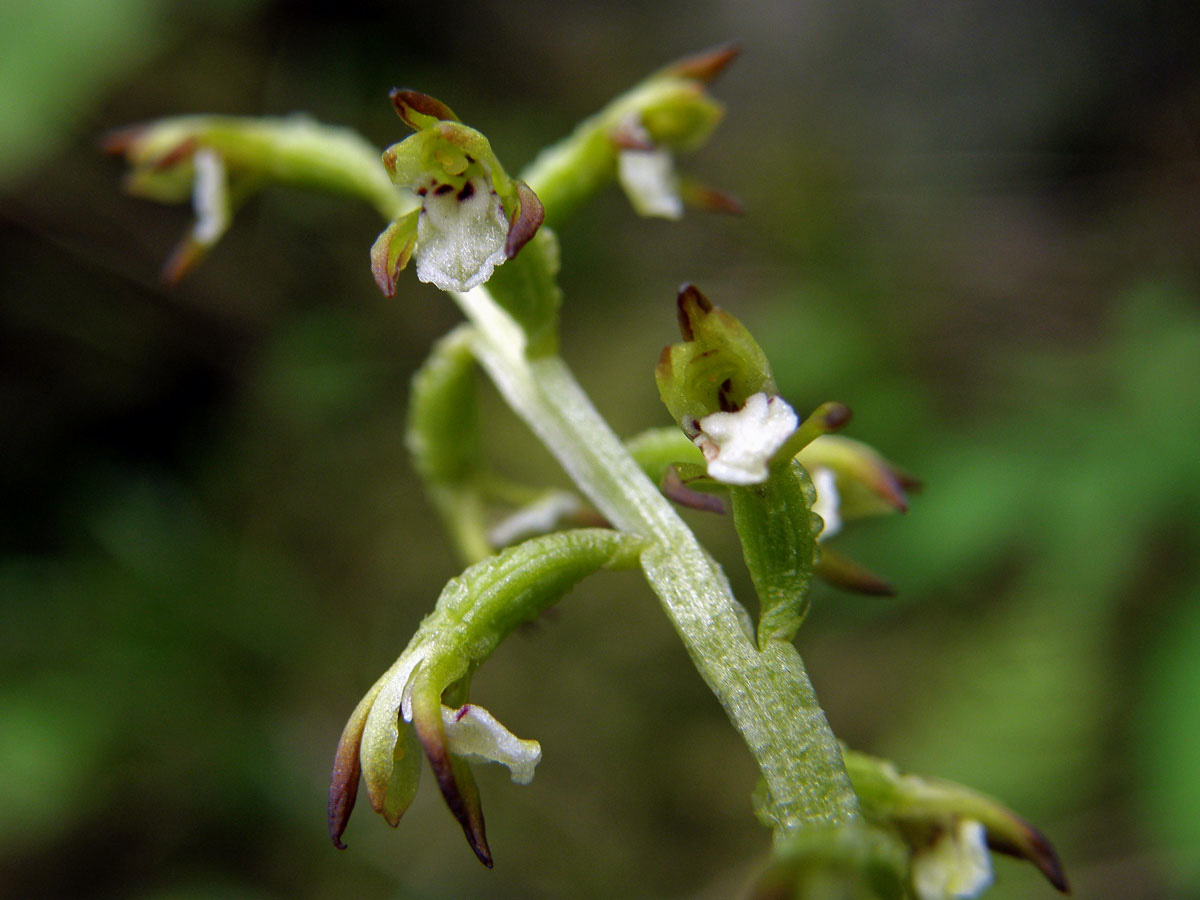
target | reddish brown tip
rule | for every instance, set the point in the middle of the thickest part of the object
(707, 64)
(455, 782)
(182, 260)
(120, 140)
(835, 415)
(343, 782)
(709, 199)
(843, 572)
(690, 304)
(1035, 847)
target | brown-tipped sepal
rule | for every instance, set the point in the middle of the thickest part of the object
(453, 777)
(841, 571)
(706, 65)
(1024, 841)
(419, 110)
(709, 199)
(347, 767)
(867, 484)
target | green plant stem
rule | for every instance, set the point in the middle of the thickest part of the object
(766, 693)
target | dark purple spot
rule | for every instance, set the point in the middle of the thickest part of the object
(468, 191)
(421, 192)
(466, 708)
(443, 189)
(470, 158)
(723, 396)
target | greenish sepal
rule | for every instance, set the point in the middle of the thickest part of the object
(716, 367)
(774, 524)
(404, 779)
(852, 862)
(527, 288)
(919, 807)
(443, 420)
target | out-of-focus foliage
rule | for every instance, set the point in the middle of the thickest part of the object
(976, 225)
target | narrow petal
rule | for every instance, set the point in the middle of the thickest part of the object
(526, 219)
(675, 490)
(391, 251)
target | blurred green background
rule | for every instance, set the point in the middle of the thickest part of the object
(975, 223)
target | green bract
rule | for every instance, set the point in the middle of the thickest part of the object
(468, 216)
(421, 701)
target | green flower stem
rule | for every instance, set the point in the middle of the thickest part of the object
(766, 693)
(300, 151)
(295, 150)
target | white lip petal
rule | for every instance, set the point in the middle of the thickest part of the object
(474, 733)
(649, 180)
(828, 501)
(739, 445)
(460, 235)
(956, 866)
(210, 197)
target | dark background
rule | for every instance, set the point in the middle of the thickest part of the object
(975, 223)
